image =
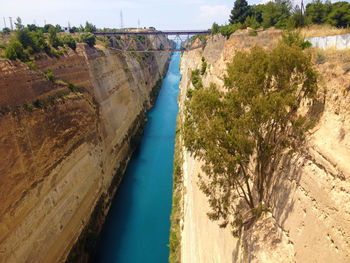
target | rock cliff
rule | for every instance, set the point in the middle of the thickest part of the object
(309, 219)
(64, 148)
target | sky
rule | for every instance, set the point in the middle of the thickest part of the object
(161, 14)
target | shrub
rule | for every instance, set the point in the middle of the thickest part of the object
(126, 69)
(253, 33)
(54, 40)
(306, 44)
(29, 106)
(89, 27)
(204, 66)
(294, 38)
(6, 30)
(320, 58)
(229, 29)
(15, 50)
(196, 79)
(88, 38)
(215, 28)
(69, 41)
(49, 75)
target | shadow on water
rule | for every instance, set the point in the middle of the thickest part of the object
(138, 223)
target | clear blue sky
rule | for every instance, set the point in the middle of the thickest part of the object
(162, 14)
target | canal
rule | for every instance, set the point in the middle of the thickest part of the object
(137, 226)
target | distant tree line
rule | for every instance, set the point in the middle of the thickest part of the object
(29, 40)
(282, 15)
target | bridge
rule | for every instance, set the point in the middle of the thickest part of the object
(153, 40)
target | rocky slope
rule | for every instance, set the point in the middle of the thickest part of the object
(63, 150)
(309, 220)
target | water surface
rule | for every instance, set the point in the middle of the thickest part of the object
(138, 223)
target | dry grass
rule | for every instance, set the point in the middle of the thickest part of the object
(323, 30)
(331, 57)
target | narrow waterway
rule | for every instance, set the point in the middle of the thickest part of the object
(137, 226)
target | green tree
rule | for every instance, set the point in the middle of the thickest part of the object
(15, 50)
(18, 23)
(32, 27)
(69, 41)
(89, 27)
(54, 40)
(239, 12)
(46, 28)
(316, 12)
(340, 15)
(251, 22)
(249, 122)
(6, 30)
(276, 14)
(58, 28)
(88, 38)
(215, 28)
(25, 37)
(75, 29)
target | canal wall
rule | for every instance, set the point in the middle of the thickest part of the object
(309, 215)
(64, 146)
(338, 42)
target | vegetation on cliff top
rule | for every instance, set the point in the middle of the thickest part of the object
(281, 14)
(28, 41)
(240, 132)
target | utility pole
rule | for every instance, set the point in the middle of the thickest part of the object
(121, 19)
(4, 22)
(11, 23)
(302, 13)
(138, 23)
(44, 22)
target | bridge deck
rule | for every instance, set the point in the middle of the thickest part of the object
(168, 32)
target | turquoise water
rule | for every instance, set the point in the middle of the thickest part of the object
(138, 223)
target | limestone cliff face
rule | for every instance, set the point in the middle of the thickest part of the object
(63, 152)
(309, 220)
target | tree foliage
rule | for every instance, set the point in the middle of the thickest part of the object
(215, 28)
(89, 27)
(239, 132)
(239, 12)
(15, 50)
(19, 24)
(88, 38)
(6, 30)
(69, 41)
(54, 40)
(31, 40)
(281, 14)
(336, 14)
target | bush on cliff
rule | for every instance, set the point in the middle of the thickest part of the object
(88, 38)
(15, 50)
(54, 40)
(69, 41)
(249, 122)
